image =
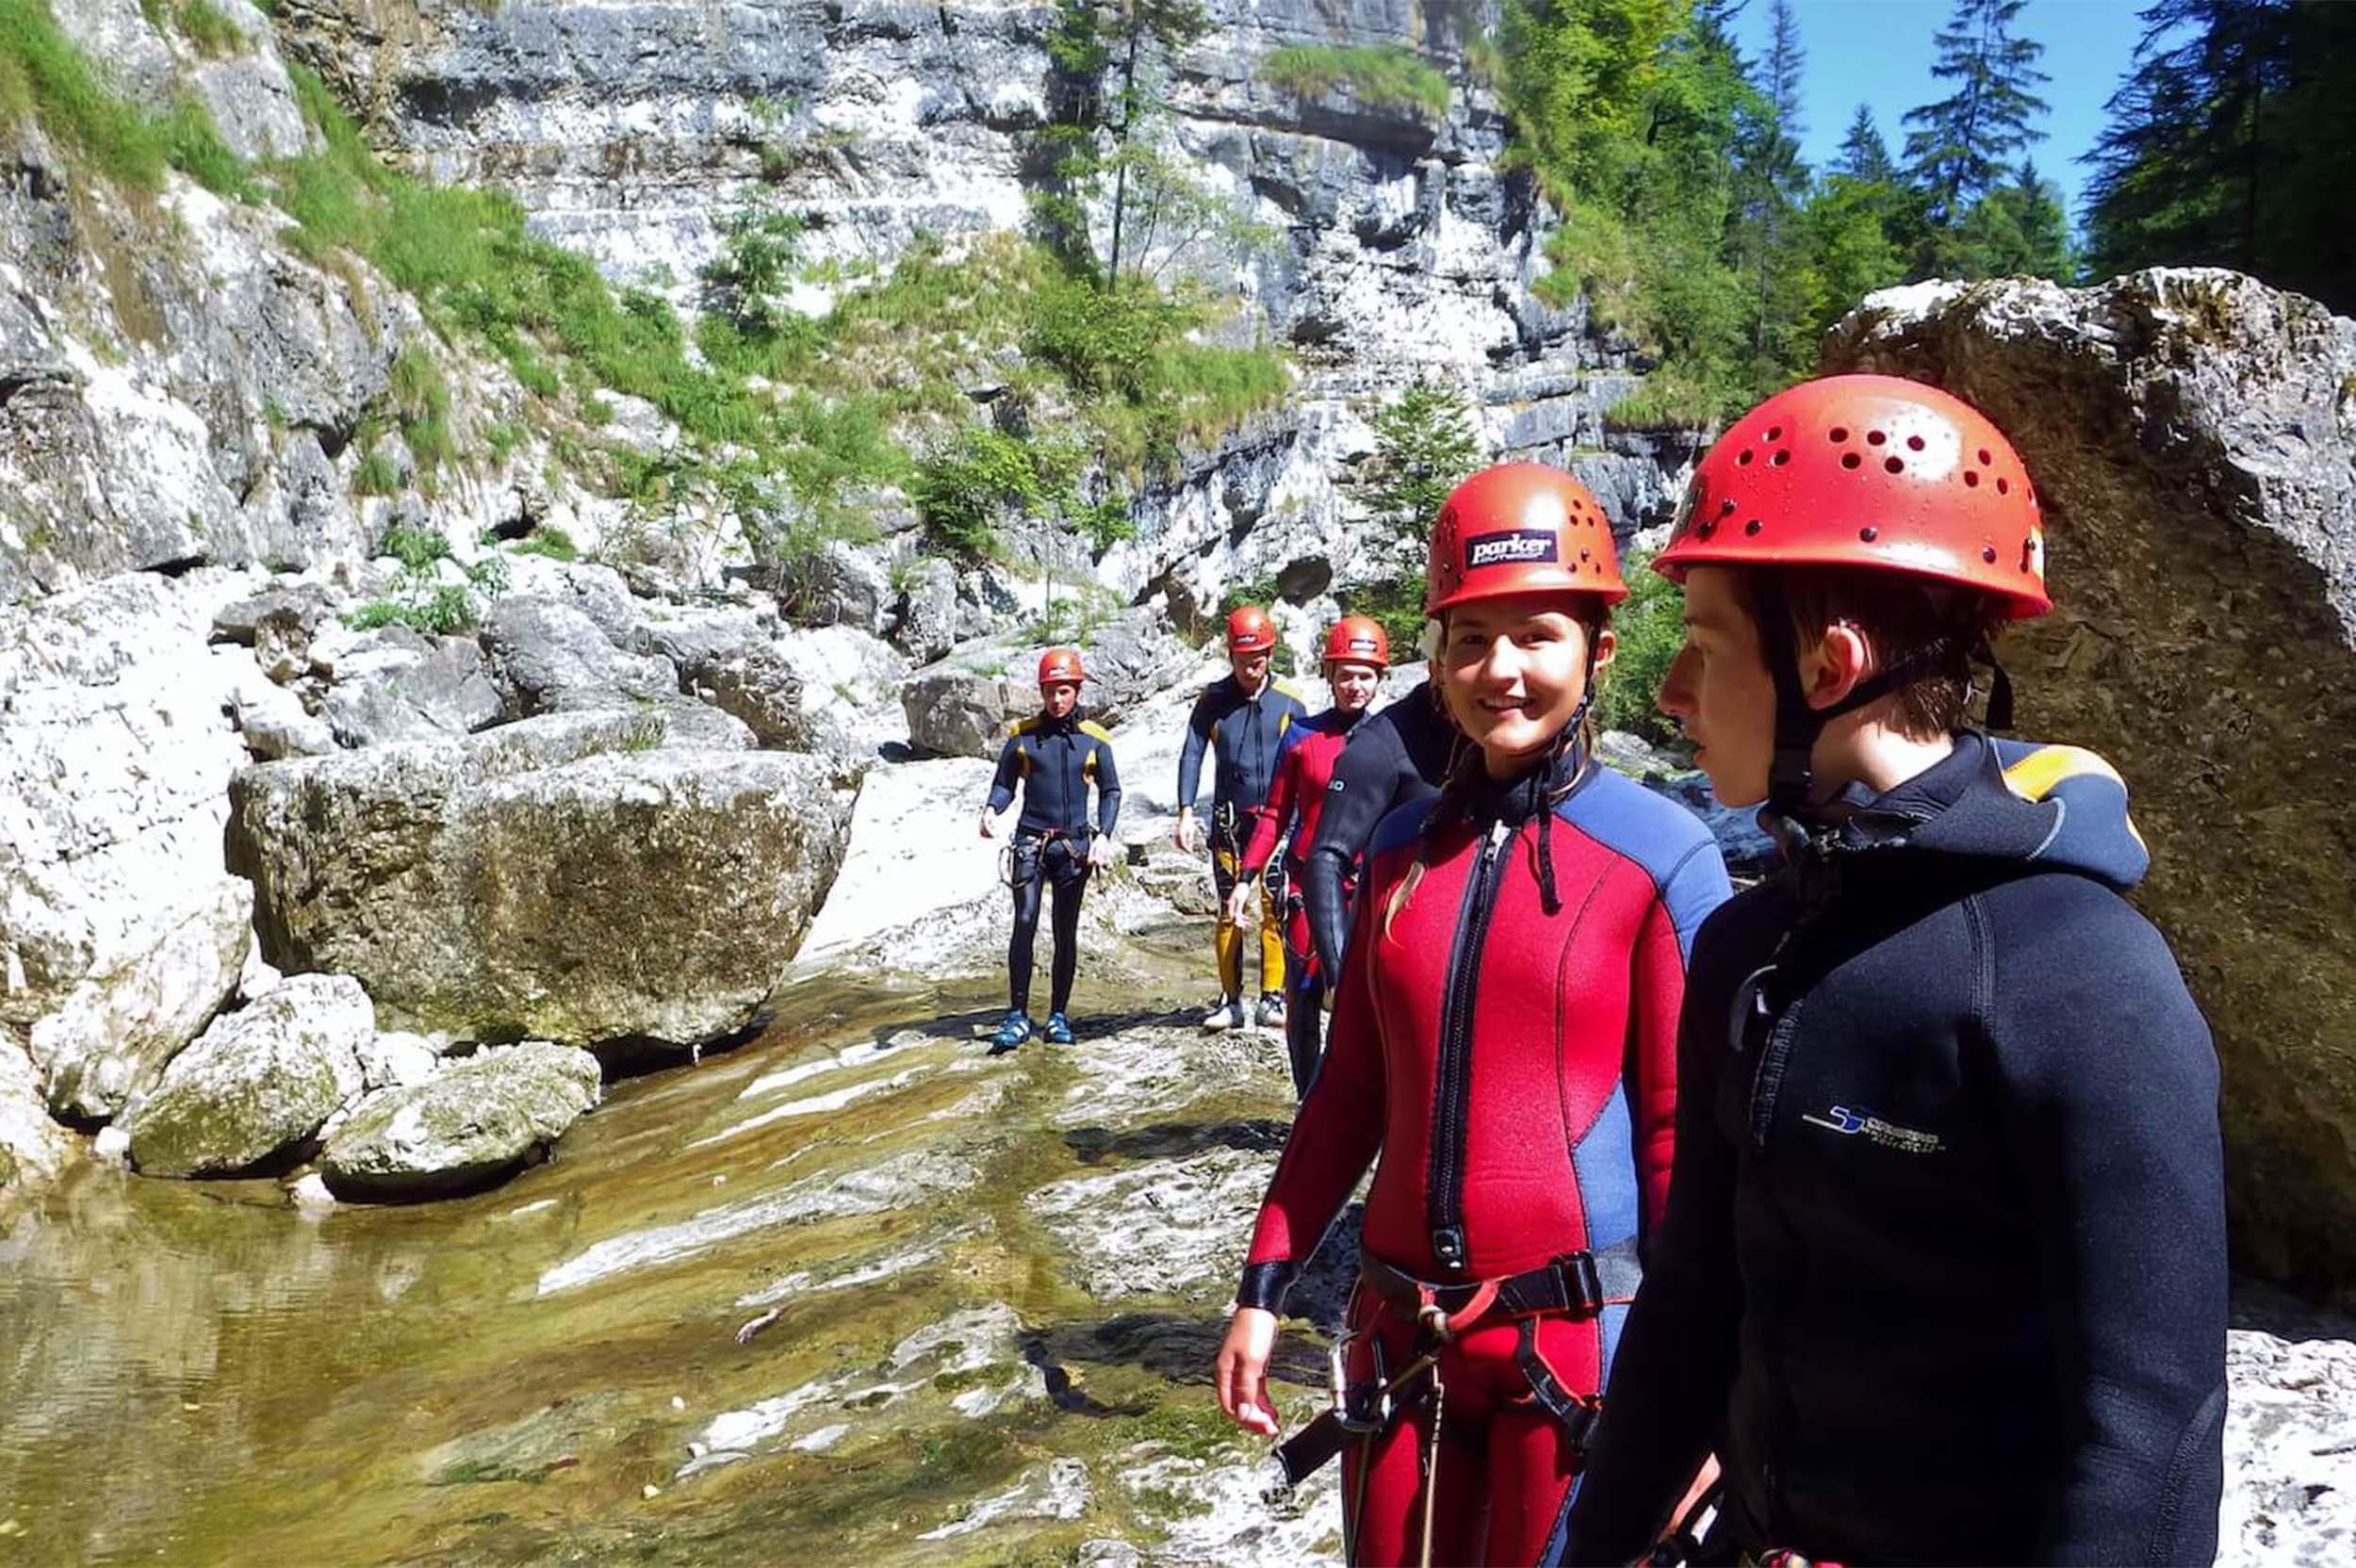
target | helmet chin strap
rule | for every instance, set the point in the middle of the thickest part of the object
(1792, 776)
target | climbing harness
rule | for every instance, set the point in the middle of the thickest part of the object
(1022, 857)
(1577, 1285)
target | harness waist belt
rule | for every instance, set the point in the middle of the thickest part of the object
(1576, 1284)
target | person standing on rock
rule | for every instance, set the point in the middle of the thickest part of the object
(1943, 1275)
(1505, 1040)
(1357, 651)
(1054, 754)
(1243, 716)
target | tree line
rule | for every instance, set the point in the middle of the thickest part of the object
(1693, 224)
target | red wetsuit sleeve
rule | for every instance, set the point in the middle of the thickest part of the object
(1273, 813)
(1334, 1138)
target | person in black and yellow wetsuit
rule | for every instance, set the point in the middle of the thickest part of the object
(1244, 717)
(1052, 755)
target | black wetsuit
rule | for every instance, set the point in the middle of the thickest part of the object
(1943, 1274)
(1247, 734)
(1053, 760)
(1396, 756)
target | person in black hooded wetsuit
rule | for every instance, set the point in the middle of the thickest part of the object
(1394, 757)
(1941, 1276)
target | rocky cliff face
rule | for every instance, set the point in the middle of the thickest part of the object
(1395, 245)
(2192, 435)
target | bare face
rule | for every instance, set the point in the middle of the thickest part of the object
(1719, 690)
(1512, 671)
(1250, 668)
(1060, 697)
(1353, 684)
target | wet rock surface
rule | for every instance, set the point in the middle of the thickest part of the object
(462, 1127)
(256, 1082)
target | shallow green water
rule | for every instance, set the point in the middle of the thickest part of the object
(198, 1373)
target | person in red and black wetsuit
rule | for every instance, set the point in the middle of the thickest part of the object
(1357, 651)
(1505, 1038)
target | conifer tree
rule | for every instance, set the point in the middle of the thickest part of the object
(2228, 144)
(1769, 243)
(1864, 155)
(1959, 147)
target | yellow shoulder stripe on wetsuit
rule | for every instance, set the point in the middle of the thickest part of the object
(1090, 726)
(2035, 776)
(1022, 726)
(2046, 769)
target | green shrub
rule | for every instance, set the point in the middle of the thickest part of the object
(1105, 340)
(1649, 625)
(965, 484)
(1251, 590)
(548, 540)
(422, 396)
(443, 613)
(502, 436)
(415, 548)
(1395, 603)
(1386, 75)
(375, 476)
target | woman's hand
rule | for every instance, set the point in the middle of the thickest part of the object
(1236, 900)
(989, 824)
(1242, 1375)
(1183, 835)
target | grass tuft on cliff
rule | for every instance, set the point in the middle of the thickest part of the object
(46, 79)
(1386, 75)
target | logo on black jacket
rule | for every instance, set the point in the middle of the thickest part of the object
(1517, 546)
(1907, 1140)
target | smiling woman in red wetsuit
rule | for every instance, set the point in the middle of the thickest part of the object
(1505, 1038)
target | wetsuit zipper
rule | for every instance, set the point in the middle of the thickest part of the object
(1451, 1103)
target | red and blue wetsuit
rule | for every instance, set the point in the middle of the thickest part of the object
(1304, 766)
(1506, 1040)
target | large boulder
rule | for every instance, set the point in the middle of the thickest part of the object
(729, 658)
(31, 1142)
(119, 933)
(2192, 438)
(848, 688)
(256, 1082)
(961, 706)
(564, 878)
(469, 1125)
(547, 656)
(395, 684)
(1130, 658)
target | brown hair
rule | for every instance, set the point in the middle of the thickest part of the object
(1900, 617)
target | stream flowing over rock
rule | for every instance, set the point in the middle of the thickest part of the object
(2192, 438)
(566, 877)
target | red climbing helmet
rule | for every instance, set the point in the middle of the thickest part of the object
(1357, 640)
(1249, 631)
(1061, 664)
(1520, 528)
(1867, 471)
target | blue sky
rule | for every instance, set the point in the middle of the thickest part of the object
(1879, 52)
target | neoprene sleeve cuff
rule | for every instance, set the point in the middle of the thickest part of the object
(1264, 1286)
